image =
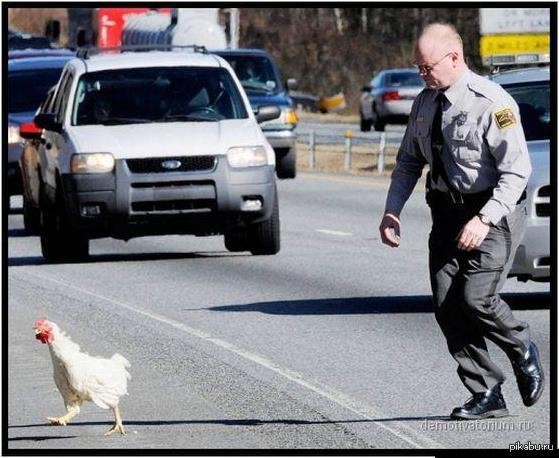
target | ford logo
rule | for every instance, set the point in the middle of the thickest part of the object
(171, 164)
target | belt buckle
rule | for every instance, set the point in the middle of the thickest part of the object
(456, 198)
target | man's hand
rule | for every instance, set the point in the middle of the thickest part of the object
(472, 234)
(390, 230)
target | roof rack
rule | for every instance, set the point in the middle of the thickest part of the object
(85, 53)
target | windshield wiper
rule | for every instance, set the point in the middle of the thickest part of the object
(184, 117)
(114, 121)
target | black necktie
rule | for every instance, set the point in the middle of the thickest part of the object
(437, 139)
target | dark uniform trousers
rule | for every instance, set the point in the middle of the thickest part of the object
(466, 287)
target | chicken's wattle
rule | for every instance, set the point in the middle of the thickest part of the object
(45, 337)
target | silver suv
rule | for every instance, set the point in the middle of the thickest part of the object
(530, 88)
(153, 143)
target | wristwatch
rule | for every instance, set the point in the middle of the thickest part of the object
(484, 219)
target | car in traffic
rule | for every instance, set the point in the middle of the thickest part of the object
(262, 81)
(154, 143)
(531, 90)
(31, 73)
(389, 98)
(20, 40)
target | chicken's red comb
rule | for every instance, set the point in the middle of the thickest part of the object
(41, 322)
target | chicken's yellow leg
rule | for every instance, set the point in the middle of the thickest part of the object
(71, 412)
(118, 423)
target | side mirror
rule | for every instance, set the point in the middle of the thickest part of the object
(267, 113)
(291, 84)
(30, 131)
(366, 88)
(48, 121)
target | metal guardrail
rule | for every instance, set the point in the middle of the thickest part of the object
(348, 141)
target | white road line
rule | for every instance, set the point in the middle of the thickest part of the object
(329, 232)
(355, 406)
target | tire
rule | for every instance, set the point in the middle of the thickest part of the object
(265, 236)
(31, 217)
(237, 240)
(286, 163)
(59, 243)
(365, 124)
(378, 122)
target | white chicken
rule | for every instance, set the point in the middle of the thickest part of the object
(80, 377)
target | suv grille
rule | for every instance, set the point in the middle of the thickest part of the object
(181, 164)
(542, 201)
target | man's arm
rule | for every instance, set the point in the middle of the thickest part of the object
(409, 164)
(507, 144)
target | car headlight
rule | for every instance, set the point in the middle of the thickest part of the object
(92, 163)
(288, 118)
(247, 156)
(13, 134)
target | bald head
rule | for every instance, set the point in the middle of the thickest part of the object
(440, 54)
(441, 36)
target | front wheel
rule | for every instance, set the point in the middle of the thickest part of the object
(265, 236)
(286, 166)
(59, 242)
(31, 217)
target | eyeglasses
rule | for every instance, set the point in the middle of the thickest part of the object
(429, 68)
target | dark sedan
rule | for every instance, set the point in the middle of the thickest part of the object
(29, 78)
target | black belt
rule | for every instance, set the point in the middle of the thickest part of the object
(458, 198)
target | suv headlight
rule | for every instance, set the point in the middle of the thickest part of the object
(13, 134)
(247, 156)
(288, 118)
(92, 163)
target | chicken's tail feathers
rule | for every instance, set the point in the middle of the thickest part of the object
(119, 359)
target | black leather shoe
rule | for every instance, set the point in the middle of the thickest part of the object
(529, 375)
(490, 404)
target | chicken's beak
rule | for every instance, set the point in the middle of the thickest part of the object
(37, 331)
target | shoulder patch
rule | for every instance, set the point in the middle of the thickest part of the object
(505, 118)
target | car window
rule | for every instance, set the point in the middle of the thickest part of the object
(27, 89)
(403, 79)
(533, 104)
(157, 94)
(61, 103)
(256, 73)
(376, 81)
(46, 105)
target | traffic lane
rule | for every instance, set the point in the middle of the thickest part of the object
(180, 397)
(324, 356)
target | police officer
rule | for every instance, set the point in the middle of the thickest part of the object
(468, 130)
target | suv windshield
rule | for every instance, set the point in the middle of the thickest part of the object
(533, 104)
(157, 94)
(27, 89)
(256, 73)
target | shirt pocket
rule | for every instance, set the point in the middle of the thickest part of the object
(465, 142)
(423, 138)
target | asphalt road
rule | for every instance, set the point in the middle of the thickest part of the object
(329, 344)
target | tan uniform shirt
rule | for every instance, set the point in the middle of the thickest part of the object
(484, 145)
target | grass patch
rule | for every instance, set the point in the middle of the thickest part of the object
(331, 158)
